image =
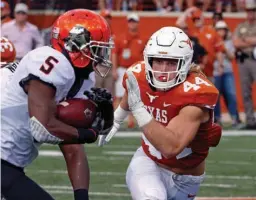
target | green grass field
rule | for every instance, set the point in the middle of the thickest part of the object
(231, 169)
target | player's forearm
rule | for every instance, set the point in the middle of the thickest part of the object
(56, 132)
(62, 130)
(160, 137)
(163, 139)
(71, 134)
(124, 102)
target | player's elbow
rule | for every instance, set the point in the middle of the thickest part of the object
(169, 151)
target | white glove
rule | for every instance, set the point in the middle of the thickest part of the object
(134, 100)
(119, 116)
(103, 139)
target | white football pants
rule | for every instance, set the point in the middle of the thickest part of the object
(147, 181)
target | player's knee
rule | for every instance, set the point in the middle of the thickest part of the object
(154, 194)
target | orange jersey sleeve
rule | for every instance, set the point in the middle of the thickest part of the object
(196, 90)
(136, 68)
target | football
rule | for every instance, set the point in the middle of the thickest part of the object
(79, 113)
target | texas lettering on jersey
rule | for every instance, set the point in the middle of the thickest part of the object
(196, 90)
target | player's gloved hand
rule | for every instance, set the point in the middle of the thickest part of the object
(98, 124)
(97, 129)
(104, 100)
(103, 139)
(134, 100)
(99, 95)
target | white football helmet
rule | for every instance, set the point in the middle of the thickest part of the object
(169, 43)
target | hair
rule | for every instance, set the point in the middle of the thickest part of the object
(196, 69)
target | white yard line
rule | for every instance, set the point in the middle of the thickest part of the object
(128, 195)
(111, 146)
(228, 162)
(111, 194)
(202, 185)
(119, 153)
(62, 189)
(109, 173)
(224, 133)
(108, 158)
(241, 150)
(218, 185)
(50, 153)
(57, 153)
(122, 155)
(114, 146)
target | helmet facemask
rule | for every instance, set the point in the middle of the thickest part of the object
(167, 55)
(79, 42)
(164, 80)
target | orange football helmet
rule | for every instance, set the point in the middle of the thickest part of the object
(8, 52)
(86, 37)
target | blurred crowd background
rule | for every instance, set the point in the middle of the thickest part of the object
(135, 5)
(223, 33)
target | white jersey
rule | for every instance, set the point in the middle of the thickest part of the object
(6, 73)
(50, 66)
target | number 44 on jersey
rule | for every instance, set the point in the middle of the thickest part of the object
(187, 86)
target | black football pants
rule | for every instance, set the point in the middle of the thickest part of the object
(15, 185)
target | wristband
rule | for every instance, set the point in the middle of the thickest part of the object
(87, 135)
(120, 114)
(142, 116)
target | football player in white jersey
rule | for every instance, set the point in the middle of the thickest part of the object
(80, 46)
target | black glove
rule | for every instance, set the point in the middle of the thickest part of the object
(98, 123)
(104, 100)
(99, 95)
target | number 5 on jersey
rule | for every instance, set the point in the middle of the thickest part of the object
(48, 65)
